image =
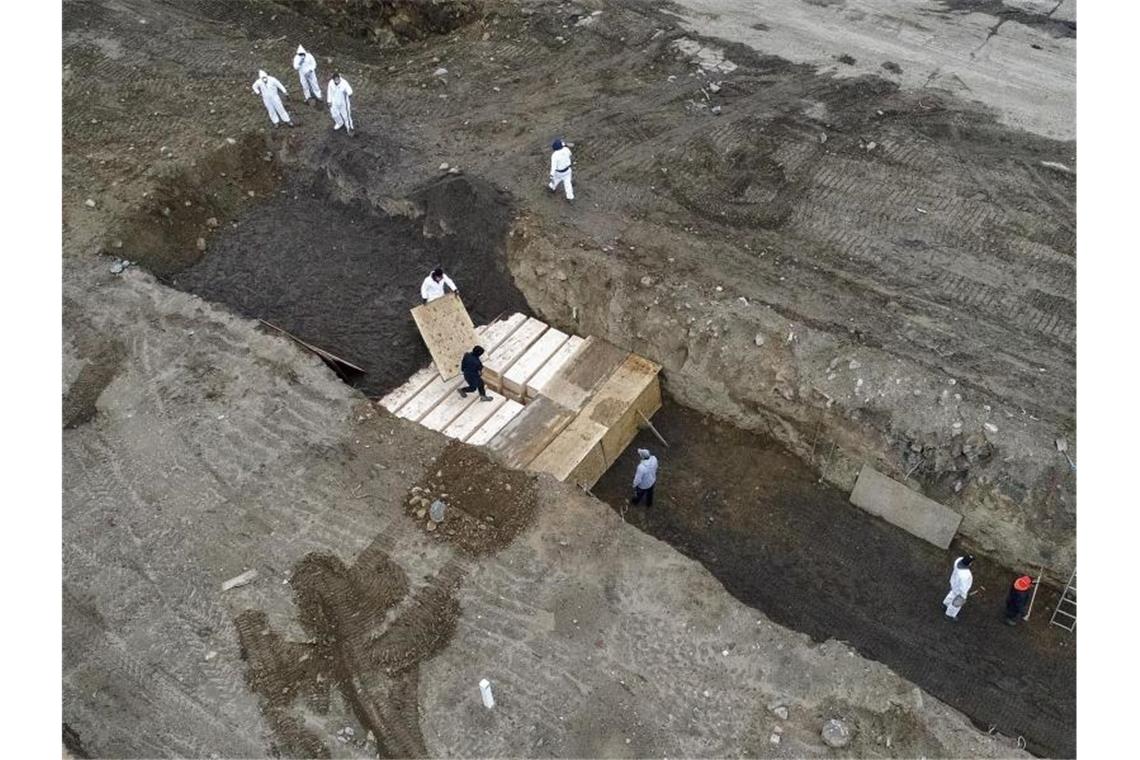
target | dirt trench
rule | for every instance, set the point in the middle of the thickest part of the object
(794, 548)
(343, 275)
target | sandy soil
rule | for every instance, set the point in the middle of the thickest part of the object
(200, 446)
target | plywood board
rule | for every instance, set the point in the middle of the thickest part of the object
(473, 418)
(631, 388)
(495, 423)
(515, 378)
(510, 351)
(447, 331)
(575, 455)
(622, 432)
(452, 405)
(909, 510)
(572, 386)
(402, 395)
(539, 380)
(424, 401)
(524, 438)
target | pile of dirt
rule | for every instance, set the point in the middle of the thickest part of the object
(374, 661)
(343, 276)
(172, 226)
(389, 21)
(487, 505)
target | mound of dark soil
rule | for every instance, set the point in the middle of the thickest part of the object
(487, 505)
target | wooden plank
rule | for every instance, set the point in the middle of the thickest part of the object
(315, 349)
(495, 423)
(447, 410)
(622, 432)
(473, 418)
(447, 331)
(510, 350)
(402, 395)
(524, 438)
(905, 508)
(631, 390)
(575, 455)
(574, 384)
(427, 399)
(516, 378)
(535, 385)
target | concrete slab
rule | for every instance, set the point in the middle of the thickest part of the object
(909, 510)
(524, 438)
(515, 379)
(593, 362)
(511, 350)
(447, 331)
(495, 423)
(537, 383)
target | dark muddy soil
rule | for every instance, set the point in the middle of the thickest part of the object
(344, 276)
(163, 230)
(373, 660)
(487, 505)
(802, 554)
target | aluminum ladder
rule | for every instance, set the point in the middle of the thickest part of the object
(1065, 615)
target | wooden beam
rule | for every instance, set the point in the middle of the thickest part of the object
(650, 424)
(315, 349)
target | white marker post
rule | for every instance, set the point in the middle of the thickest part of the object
(485, 690)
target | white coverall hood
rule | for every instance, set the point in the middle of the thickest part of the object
(262, 75)
(301, 50)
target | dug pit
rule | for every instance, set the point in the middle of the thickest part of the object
(343, 276)
(794, 548)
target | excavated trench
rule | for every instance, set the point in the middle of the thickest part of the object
(342, 275)
(284, 248)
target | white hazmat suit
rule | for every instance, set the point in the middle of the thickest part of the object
(339, 105)
(268, 87)
(431, 290)
(305, 64)
(960, 581)
(560, 170)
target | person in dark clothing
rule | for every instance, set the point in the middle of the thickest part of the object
(472, 367)
(1017, 599)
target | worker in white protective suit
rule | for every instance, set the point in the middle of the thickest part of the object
(306, 66)
(340, 103)
(268, 88)
(560, 170)
(961, 578)
(433, 285)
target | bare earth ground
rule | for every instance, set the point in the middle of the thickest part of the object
(913, 256)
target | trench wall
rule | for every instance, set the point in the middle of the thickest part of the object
(753, 367)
